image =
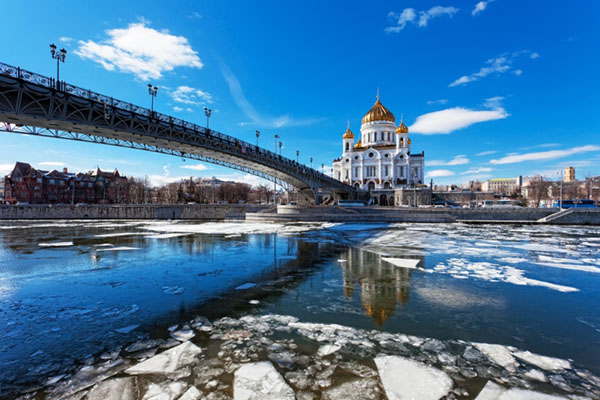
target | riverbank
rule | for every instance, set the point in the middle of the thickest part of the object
(292, 213)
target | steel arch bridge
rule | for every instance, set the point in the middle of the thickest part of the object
(32, 104)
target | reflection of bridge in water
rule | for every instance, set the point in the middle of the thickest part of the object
(33, 104)
(382, 285)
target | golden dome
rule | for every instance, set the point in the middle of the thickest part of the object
(348, 134)
(402, 128)
(378, 113)
(358, 144)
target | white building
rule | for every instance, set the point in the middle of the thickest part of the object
(502, 185)
(381, 160)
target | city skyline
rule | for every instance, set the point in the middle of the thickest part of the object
(483, 94)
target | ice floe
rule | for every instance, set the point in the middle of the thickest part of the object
(245, 286)
(544, 362)
(493, 391)
(164, 391)
(168, 361)
(260, 381)
(404, 378)
(234, 228)
(55, 244)
(114, 389)
(499, 354)
(118, 248)
(402, 262)
(127, 329)
(173, 289)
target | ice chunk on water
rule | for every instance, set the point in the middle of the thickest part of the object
(173, 289)
(355, 390)
(191, 394)
(260, 381)
(499, 354)
(536, 374)
(113, 389)
(56, 244)
(328, 349)
(254, 302)
(168, 361)
(403, 378)
(119, 248)
(164, 391)
(244, 286)
(543, 362)
(493, 391)
(127, 329)
(402, 262)
(183, 335)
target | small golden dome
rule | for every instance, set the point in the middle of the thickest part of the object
(378, 113)
(402, 128)
(358, 144)
(348, 134)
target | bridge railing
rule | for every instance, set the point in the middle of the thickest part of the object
(51, 83)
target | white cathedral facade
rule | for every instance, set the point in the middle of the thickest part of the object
(381, 160)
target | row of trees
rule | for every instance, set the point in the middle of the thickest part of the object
(200, 191)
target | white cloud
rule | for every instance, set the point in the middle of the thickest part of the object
(497, 65)
(143, 51)
(434, 12)
(189, 95)
(409, 15)
(248, 109)
(195, 15)
(544, 155)
(177, 109)
(452, 119)
(493, 102)
(66, 39)
(6, 169)
(534, 56)
(196, 167)
(486, 153)
(160, 180)
(52, 163)
(440, 101)
(436, 173)
(457, 160)
(481, 6)
(472, 171)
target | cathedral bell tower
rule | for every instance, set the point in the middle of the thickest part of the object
(348, 141)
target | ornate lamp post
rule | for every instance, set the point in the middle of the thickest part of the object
(59, 56)
(275, 184)
(257, 135)
(311, 163)
(207, 112)
(152, 91)
(297, 155)
(280, 146)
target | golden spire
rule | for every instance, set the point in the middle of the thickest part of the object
(402, 128)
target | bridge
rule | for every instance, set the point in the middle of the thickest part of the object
(32, 104)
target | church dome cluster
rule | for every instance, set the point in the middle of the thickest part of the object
(381, 158)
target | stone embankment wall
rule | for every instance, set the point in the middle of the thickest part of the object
(390, 214)
(190, 211)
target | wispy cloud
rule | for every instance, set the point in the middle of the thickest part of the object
(544, 155)
(410, 15)
(534, 56)
(195, 15)
(486, 153)
(145, 52)
(496, 65)
(436, 173)
(66, 39)
(481, 6)
(457, 160)
(440, 101)
(472, 171)
(196, 167)
(493, 102)
(52, 163)
(452, 119)
(190, 95)
(248, 109)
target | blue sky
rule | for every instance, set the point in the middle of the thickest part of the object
(488, 89)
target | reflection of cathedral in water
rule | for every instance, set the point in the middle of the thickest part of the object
(382, 284)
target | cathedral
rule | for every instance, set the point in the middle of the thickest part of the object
(381, 160)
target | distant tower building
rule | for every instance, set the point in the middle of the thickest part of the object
(381, 160)
(569, 174)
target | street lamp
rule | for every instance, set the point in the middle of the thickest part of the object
(59, 56)
(561, 189)
(257, 135)
(207, 112)
(297, 155)
(311, 163)
(280, 146)
(152, 91)
(274, 183)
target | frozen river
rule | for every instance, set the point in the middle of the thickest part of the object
(320, 310)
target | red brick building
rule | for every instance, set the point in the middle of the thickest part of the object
(27, 185)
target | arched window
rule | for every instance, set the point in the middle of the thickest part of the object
(347, 146)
